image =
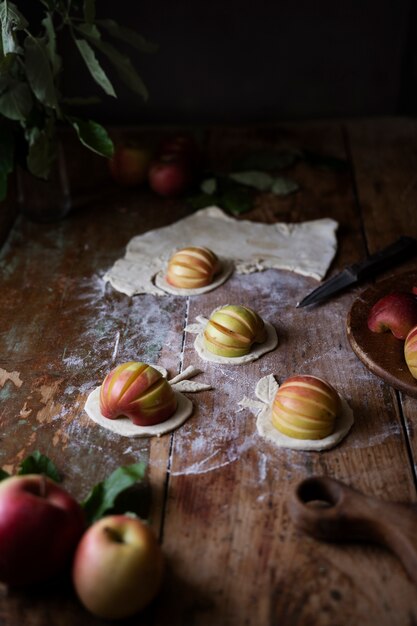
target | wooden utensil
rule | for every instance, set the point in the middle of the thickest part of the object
(381, 353)
(328, 509)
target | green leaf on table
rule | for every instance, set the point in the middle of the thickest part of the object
(283, 186)
(41, 153)
(128, 35)
(202, 200)
(93, 136)
(121, 62)
(94, 67)
(253, 178)
(89, 11)
(16, 101)
(4, 474)
(103, 496)
(323, 161)
(268, 160)
(38, 463)
(50, 44)
(236, 201)
(209, 186)
(39, 71)
(11, 20)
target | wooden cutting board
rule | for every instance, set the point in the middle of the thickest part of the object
(382, 353)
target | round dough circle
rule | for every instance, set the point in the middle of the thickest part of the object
(267, 430)
(227, 267)
(257, 350)
(123, 426)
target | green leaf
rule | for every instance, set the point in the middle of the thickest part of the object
(93, 136)
(42, 152)
(3, 474)
(37, 463)
(11, 20)
(259, 180)
(39, 71)
(94, 67)
(209, 186)
(16, 102)
(122, 63)
(102, 497)
(284, 186)
(202, 200)
(236, 201)
(128, 35)
(54, 58)
(89, 11)
(269, 160)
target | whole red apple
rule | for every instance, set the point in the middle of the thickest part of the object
(170, 176)
(129, 165)
(40, 526)
(118, 567)
(396, 312)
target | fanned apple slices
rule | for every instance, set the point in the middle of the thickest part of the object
(192, 267)
(232, 330)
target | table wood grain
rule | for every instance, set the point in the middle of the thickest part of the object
(218, 492)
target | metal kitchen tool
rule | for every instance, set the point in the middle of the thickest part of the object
(402, 249)
(345, 514)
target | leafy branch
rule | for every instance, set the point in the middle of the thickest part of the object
(31, 100)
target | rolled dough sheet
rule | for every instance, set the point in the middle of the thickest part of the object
(306, 248)
(227, 267)
(124, 427)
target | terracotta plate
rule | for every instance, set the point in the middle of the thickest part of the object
(382, 353)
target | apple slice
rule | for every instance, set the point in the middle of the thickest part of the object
(137, 391)
(232, 330)
(305, 407)
(192, 267)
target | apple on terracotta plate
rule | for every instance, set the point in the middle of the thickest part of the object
(118, 567)
(395, 312)
(40, 526)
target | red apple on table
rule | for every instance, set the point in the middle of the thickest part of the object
(129, 165)
(170, 175)
(118, 567)
(40, 526)
(395, 312)
(137, 391)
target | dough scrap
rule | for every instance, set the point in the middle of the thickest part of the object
(227, 268)
(257, 350)
(124, 427)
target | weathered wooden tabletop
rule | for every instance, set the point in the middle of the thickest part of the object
(218, 491)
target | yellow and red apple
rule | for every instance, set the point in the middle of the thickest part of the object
(118, 567)
(137, 391)
(410, 351)
(40, 526)
(129, 165)
(232, 330)
(192, 267)
(305, 407)
(397, 312)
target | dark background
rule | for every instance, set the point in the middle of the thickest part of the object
(236, 62)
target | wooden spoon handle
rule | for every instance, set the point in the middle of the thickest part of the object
(349, 515)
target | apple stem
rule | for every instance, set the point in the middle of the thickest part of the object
(113, 534)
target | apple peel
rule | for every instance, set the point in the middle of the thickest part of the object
(226, 269)
(124, 427)
(257, 350)
(265, 391)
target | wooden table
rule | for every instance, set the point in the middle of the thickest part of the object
(218, 492)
